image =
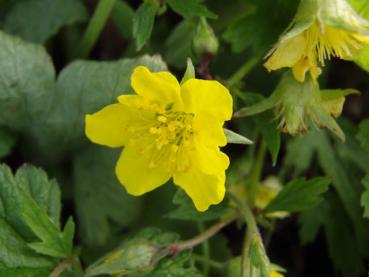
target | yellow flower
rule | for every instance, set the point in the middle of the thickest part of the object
(168, 130)
(321, 29)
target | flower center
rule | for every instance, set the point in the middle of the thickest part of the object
(165, 137)
(324, 42)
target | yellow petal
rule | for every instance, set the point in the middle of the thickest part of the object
(275, 274)
(108, 126)
(204, 96)
(135, 173)
(209, 160)
(204, 189)
(209, 130)
(161, 87)
(287, 53)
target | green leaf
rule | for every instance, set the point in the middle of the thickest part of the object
(7, 142)
(99, 198)
(187, 211)
(241, 33)
(190, 8)
(339, 234)
(363, 134)
(28, 201)
(178, 266)
(38, 20)
(233, 137)
(24, 272)
(138, 255)
(365, 196)
(179, 43)
(143, 22)
(299, 195)
(310, 221)
(27, 73)
(343, 182)
(29, 220)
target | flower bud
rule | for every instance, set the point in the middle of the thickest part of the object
(205, 41)
(301, 104)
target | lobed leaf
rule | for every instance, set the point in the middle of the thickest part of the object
(299, 194)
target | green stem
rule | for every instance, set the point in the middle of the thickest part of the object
(252, 231)
(256, 171)
(205, 250)
(94, 28)
(61, 267)
(189, 244)
(210, 262)
(243, 70)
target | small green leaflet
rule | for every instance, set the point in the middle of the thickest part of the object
(365, 196)
(191, 8)
(233, 137)
(299, 194)
(143, 22)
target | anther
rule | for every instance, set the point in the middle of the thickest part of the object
(162, 118)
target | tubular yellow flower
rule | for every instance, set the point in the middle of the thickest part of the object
(320, 30)
(168, 130)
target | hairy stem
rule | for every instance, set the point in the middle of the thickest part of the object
(252, 231)
(205, 250)
(94, 28)
(256, 171)
(189, 244)
(61, 267)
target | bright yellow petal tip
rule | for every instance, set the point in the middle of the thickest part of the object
(168, 131)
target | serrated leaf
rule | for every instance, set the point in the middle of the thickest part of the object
(7, 142)
(299, 195)
(233, 137)
(363, 134)
(365, 196)
(99, 198)
(187, 211)
(27, 208)
(143, 22)
(190, 8)
(38, 20)
(29, 220)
